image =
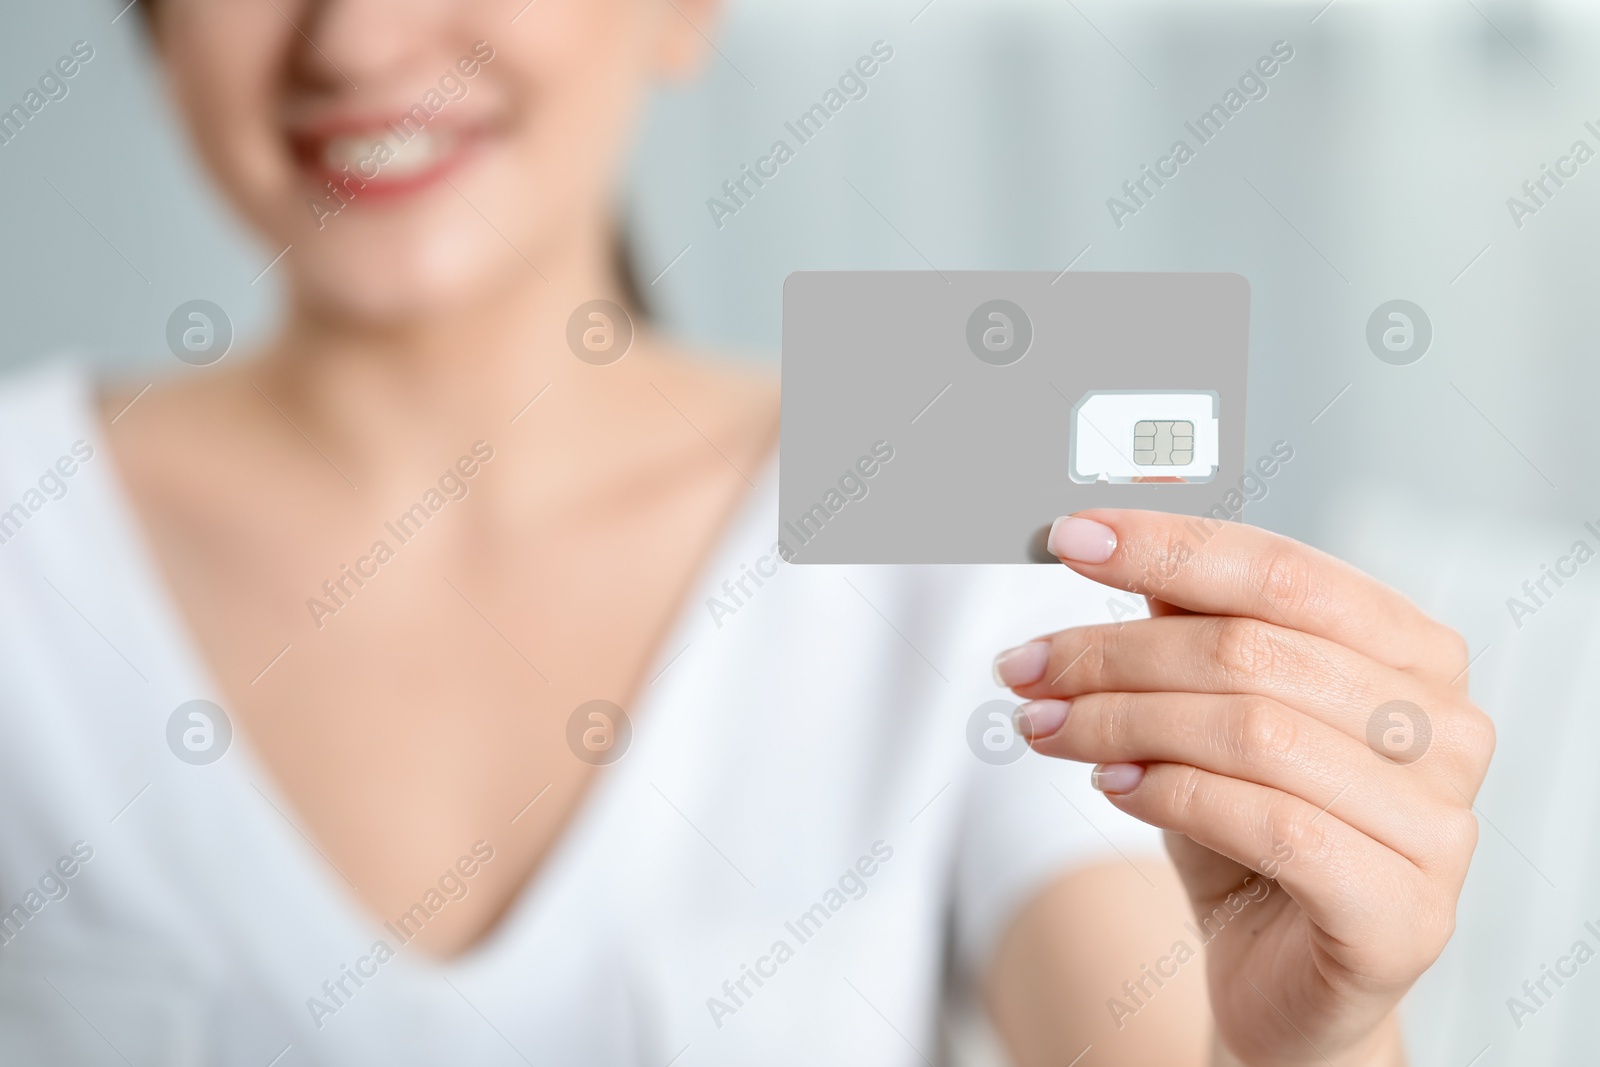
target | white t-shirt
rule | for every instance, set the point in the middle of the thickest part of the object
(799, 802)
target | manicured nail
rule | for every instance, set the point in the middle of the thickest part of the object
(1040, 718)
(1082, 540)
(1022, 665)
(1116, 777)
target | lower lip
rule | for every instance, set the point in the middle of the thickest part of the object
(354, 188)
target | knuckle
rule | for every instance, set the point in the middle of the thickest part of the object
(1420, 937)
(1261, 732)
(1443, 837)
(1184, 796)
(1165, 558)
(1287, 578)
(1472, 736)
(1437, 924)
(1480, 737)
(1114, 721)
(1458, 835)
(1105, 645)
(1078, 658)
(1457, 653)
(1293, 821)
(1244, 649)
(1444, 928)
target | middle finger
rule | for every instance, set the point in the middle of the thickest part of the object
(1219, 654)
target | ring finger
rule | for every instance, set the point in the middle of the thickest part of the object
(1207, 654)
(1249, 738)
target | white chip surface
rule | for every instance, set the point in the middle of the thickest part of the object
(1124, 437)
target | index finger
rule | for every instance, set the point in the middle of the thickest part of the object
(1227, 568)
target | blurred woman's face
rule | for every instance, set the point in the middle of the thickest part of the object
(417, 154)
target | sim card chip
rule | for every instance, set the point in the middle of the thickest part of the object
(1163, 443)
(1137, 436)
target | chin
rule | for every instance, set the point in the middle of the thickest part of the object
(385, 276)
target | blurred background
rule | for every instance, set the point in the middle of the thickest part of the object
(1377, 167)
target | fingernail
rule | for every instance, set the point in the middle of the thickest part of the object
(1082, 540)
(1116, 777)
(1040, 718)
(1022, 665)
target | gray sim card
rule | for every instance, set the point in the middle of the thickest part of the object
(949, 417)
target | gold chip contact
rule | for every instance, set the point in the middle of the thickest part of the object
(1163, 443)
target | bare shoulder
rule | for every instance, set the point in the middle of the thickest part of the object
(730, 375)
(159, 425)
(198, 457)
(733, 392)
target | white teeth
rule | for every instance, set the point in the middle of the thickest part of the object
(387, 154)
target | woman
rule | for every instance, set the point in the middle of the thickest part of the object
(362, 706)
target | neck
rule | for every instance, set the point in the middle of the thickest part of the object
(437, 379)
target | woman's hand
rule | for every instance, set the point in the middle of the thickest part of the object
(1304, 736)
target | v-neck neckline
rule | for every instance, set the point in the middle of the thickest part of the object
(343, 907)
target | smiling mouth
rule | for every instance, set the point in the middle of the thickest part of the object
(383, 161)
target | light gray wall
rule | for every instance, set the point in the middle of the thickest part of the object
(107, 225)
(1383, 157)
(1387, 149)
